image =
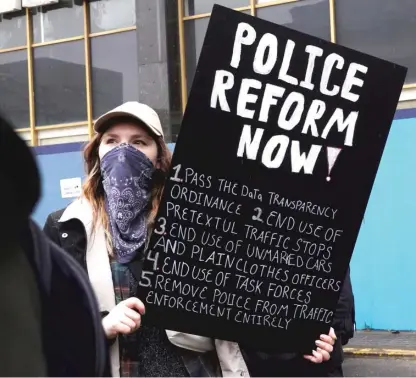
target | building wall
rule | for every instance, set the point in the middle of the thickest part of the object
(61, 66)
(382, 268)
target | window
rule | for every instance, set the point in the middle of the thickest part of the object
(114, 71)
(307, 16)
(66, 135)
(112, 14)
(59, 75)
(12, 29)
(174, 73)
(194, 39)
(58, 21)
(193, 7)
(383, 28)
(14, 90)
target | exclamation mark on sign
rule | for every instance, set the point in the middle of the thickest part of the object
(333, 153)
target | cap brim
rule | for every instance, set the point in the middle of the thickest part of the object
(100, 127)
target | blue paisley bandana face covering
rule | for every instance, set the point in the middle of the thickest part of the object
(127, 176)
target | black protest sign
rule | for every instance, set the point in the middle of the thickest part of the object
(279, 148)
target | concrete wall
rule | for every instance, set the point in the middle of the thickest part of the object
(383, 263)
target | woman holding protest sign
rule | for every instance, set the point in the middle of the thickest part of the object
(107, 230)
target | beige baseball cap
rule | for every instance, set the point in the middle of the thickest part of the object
(142, 112)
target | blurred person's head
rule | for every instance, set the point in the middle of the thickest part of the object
(19, 179)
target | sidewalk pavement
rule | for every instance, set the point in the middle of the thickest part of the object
(368, 366)
(382, 344)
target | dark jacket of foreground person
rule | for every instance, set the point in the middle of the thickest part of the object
(49, 315)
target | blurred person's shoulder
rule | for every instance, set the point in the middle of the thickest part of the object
(52, 220)
(20, 317)
(55, 216)
(52, 226)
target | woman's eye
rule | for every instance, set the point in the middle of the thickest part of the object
(111, 141)
(139, 142)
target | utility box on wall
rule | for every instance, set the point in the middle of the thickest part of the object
(62, 171)
(10, 5)
(37, 3)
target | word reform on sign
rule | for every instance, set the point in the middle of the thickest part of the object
(293, 106)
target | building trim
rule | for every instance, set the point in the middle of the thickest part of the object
(11, 49)
(25, 130)
(59, 148)
(253, 8)
(30, 79)
(332, 23)
(77, 146)
(205, 15)
(88, 65)
(112, 31)
(58, 41)
(62, 125)
(182, 62)
(276, 2)
(405, 113)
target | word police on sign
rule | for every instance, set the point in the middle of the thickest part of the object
(278, 151)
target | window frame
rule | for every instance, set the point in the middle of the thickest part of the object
(36, 131)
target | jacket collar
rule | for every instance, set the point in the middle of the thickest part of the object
(79, 209)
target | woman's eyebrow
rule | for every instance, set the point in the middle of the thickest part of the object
(110, 136)
(137, 135)
(140, 135)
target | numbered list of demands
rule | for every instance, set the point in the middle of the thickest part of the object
(263, 273)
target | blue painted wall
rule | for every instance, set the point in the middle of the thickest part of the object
(384, 261)
(383, 264)
(56, 162)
